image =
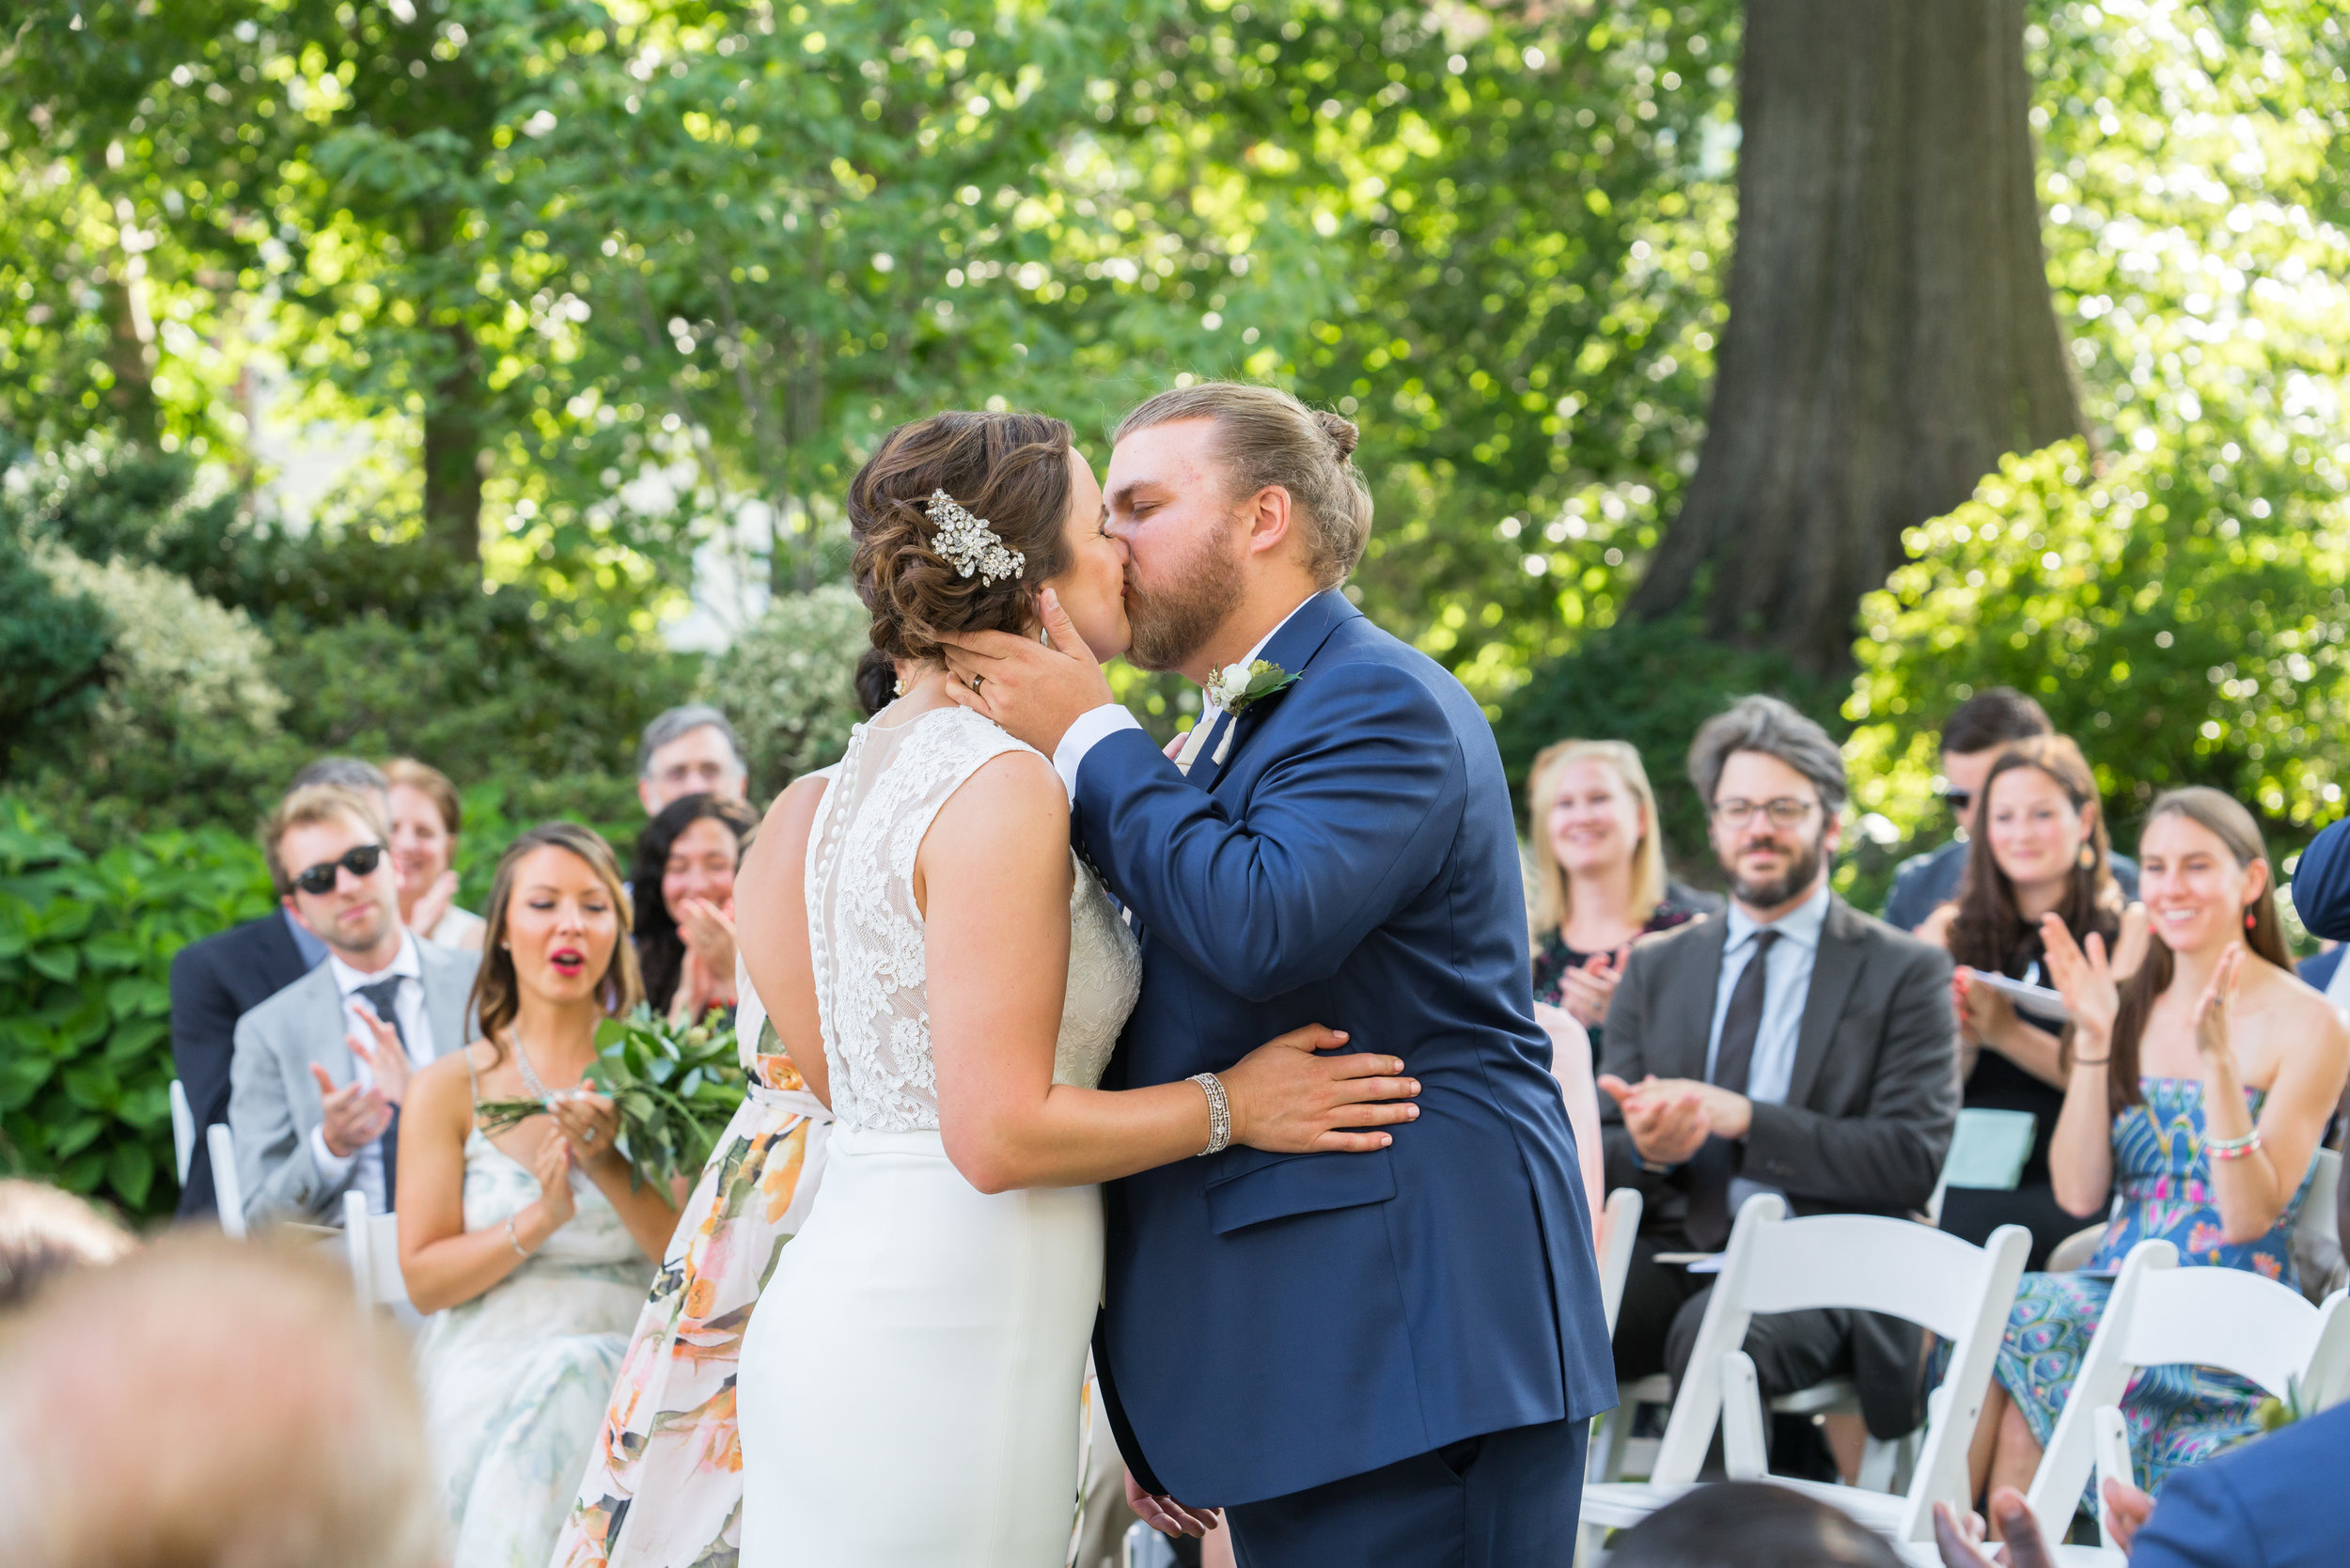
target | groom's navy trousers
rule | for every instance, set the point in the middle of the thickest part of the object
(1277, 1323)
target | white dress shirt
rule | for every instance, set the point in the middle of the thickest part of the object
(1096, 724)
(1786, 986)
(366, 1164)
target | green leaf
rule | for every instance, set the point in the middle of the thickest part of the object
(58, 964)
(130, 1170)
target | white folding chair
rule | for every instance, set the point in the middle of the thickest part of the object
(227, 1191)
(1856, 1262)
(2160, 1314)
(182, 1129)
(1614, 1255)
(371, 1243)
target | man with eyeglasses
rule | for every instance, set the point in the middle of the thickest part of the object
(1972, 738)
(319, 1070)
(217, 980)
(689, 751)
(1795, 1046)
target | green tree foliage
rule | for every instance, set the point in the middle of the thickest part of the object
(52, 649)
(790, 684)
(85, 948)
(2174, 598)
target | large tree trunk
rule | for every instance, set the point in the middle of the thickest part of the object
(452, 453)
(1890, 330)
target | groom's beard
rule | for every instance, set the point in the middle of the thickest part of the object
(1171, 625)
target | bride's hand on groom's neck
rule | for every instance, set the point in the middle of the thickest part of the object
(1035, 690)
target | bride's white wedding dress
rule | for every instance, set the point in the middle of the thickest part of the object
(910, 1383)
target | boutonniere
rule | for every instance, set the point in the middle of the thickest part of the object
(1234, 687)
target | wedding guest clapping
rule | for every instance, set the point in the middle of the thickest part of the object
(425, 821)
(2039, 849)
(1599, 874)
(535, 1248)
(684, 879)
(2197, 1088)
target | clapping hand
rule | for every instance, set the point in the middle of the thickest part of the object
(1669, 1118)
(1983, 1009)
(355, 1115)
(589, 1122)
(2083, 976)
(432, 903)
(1165, 1515)
(1588, 989)
(2212, 1006)
(552, 1165)
(386, 1057)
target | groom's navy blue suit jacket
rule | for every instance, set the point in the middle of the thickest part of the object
(1274, 1322)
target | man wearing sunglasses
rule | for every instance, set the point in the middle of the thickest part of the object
(1976, 732)
(320, 1068)
(217, 980)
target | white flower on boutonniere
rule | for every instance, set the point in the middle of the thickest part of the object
(1235, 686)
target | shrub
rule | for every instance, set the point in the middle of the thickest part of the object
(790, 684)
(52, 649)
(86, 949)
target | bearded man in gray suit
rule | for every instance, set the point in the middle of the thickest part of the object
(321, 1068)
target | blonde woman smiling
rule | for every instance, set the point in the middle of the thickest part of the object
(1598, 880)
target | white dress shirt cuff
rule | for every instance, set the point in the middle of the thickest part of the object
(333, 1168)
(1092, 727)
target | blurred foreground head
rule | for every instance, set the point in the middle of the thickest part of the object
(1734, 1524)
(210, 1405)
(44, 1231)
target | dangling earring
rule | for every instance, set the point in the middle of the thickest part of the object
(899, 685)
(2250, 919)
(2088, 855)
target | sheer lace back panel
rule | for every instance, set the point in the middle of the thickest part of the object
(864, 932)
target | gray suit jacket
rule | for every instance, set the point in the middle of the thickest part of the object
(273, 1102)
(1874, 1092)
(1869, 1107)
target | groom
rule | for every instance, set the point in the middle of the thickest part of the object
(1385, 1356)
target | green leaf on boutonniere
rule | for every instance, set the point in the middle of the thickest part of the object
(1236, 686)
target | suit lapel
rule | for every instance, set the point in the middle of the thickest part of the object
(323, 1030)
(1834, 970)
(1689, 1021)
(1293, 648)
(447, 991)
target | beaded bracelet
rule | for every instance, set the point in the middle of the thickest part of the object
(513, 1241)
(1219, 1113)
(2233, 1147)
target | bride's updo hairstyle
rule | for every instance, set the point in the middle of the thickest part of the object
(1013, 470)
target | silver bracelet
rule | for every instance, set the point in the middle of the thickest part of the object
(513, 1241)
(2228, 1147)
(1219, 1113)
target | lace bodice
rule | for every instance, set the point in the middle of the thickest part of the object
(864, 932)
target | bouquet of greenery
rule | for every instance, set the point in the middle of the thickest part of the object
(675, 1088)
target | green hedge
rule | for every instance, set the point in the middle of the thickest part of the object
(86, 949)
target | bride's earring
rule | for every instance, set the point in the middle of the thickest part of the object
(899, 685)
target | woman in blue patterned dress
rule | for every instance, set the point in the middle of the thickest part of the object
(2197, 1088)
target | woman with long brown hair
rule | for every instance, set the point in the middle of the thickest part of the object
(534, 1250)
(2039, 849)
(2197, 1088)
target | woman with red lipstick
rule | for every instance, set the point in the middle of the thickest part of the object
(532, 1250)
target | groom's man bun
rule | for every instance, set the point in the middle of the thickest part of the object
(1012, 469)
(1265, 437)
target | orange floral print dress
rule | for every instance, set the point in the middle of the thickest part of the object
(664, 1487)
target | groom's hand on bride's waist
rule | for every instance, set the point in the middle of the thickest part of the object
(1033, 689)
(1287, 1099)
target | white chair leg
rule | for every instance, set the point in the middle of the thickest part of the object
(222, 1146)
(1745, 1455)
(1879, 1461)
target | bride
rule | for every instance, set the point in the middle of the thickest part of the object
(952, 982)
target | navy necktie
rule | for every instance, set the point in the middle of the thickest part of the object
(1710, 1167)
(384, 996)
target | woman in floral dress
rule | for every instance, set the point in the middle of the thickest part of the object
(2197, 1089)
(664, 1487)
